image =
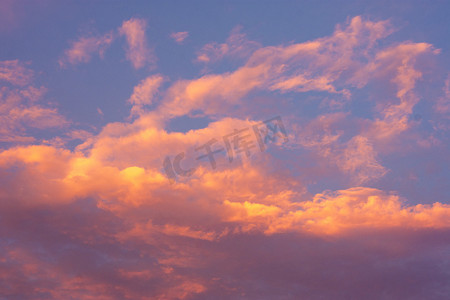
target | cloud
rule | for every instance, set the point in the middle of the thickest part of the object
(211, 93)
(213, 236)
(398, 65)
(20, 107)
(316, 65)
(442, 105)
(102, 220)
(359, 208)
(359, 160)
(15, 72)
(82, 50)
(236, 46)
(137, 51)
(179, 37)
(144, 93)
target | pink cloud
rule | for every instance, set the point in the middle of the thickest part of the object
(442, 105)
(20, 108)
(310, 66)
(15, 72)
(236, 45)
(144, 93)
(179, 37)
(359, 160)
(103, 221)
(137, 51)
(398, 65)
(81, 50)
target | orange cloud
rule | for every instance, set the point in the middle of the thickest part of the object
(159, 230)
(341, 212)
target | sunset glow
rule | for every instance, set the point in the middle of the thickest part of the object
(224, 150)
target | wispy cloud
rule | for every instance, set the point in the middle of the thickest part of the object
(15, 72)
(236, 46)
(137, 51)
(20, 107)
(82, 50)
(144, 93)
(179, 37)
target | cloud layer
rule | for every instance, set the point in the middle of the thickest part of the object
(309, 217)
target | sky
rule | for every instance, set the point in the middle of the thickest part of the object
(224, 149)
